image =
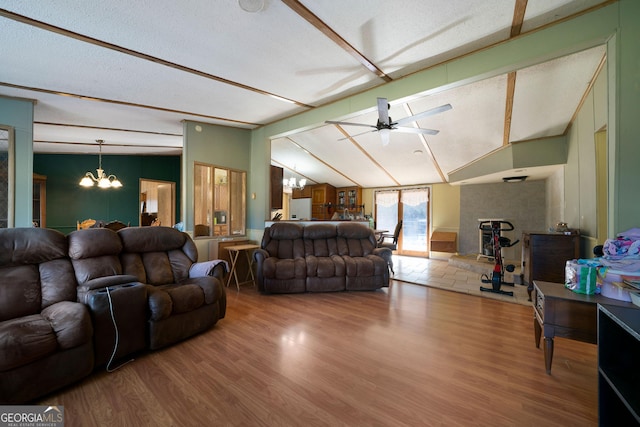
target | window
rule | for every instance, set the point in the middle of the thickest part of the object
(219, 201)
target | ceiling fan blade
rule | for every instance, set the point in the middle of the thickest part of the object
(417, 130)
(383, 111)
(424, 114)
(332, 122)
(358, 134)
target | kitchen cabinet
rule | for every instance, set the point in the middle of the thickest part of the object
(544, 256)
(277, 174)
(304, 193)
(323, 198)
(349, 198)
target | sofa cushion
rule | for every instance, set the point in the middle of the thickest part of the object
(185, 298)
(283, 269)
(21, 246)
(212, 289)
(93, 242)
(34, 271)
(20, 293)
(355, 240)
(157, 239)
(24, 340)
(284, 240)
(167, 300)
(157, 268)
(320, 240)
(57, 281)
(94, 252)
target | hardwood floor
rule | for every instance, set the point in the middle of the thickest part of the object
(404, 356)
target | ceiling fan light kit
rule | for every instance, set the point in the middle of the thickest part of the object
(385, 124)
(251, 6)
(514, 178)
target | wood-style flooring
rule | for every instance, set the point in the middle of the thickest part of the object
(404, 356)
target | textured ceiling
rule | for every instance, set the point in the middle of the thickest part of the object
(131, 72)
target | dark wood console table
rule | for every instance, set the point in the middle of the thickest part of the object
(559, 312)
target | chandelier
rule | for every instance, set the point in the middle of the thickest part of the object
(291, 184)
(103, 180)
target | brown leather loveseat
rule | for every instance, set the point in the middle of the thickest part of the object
(155, 274)
(320, 257)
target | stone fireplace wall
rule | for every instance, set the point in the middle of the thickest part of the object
(521, 203)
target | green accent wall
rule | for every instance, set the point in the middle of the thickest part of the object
(68, 203)
(18, 114)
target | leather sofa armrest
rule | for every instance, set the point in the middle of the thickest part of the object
(103, 282)
(260, 255)
(71, 323)
(216, 268)
(385, 253)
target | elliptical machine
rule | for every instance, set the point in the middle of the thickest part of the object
(497, 227)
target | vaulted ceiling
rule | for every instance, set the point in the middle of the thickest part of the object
(130, 73)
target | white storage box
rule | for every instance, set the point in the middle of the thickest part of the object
(609, 287)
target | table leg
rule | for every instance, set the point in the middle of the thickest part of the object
(548, 353)
(233, 273)
(250, 272)
(537, 331)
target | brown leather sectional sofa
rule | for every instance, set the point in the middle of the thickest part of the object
(59, 296)
(320, 257)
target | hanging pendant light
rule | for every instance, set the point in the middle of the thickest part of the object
(291, 184)
(103, 180)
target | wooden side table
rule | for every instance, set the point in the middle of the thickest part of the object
(560, 312)
(234, 253)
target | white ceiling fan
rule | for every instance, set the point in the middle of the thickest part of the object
(385, 124)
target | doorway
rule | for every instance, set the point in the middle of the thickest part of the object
(412, 206)
(157, 202)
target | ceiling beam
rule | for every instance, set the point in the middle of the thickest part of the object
(305, 13)
(425, 145)
(519, 10)
(321, 161)
(518, 17)
(508, 110)
(129, 104)
(146, 132)
(366, 153)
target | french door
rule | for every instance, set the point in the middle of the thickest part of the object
(412, 206)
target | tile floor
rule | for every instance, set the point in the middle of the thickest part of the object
(458, 274)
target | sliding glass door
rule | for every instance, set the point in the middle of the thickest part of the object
(412, 206)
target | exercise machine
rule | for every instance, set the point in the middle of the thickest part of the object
(498, 241)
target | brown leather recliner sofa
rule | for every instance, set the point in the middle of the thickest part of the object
(62, 298)
(45, 335)
(320, 257)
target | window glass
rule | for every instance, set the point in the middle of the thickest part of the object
(6, 178)
(219, 201)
